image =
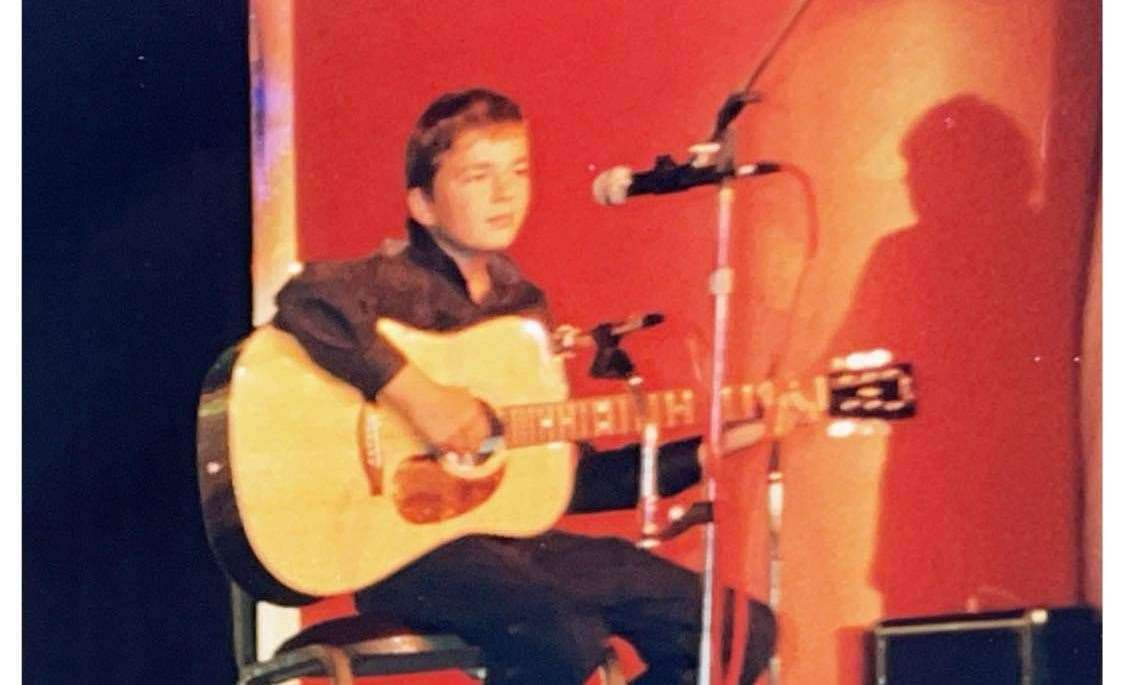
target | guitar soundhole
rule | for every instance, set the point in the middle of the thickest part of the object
(424, 492)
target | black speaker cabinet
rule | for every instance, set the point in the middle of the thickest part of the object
(1021, 647)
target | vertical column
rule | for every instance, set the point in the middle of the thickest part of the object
(274, 255)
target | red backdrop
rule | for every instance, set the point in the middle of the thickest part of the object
(940, 162)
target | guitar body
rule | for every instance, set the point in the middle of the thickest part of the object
(311, 491)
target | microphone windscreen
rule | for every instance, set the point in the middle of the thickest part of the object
(611, 187)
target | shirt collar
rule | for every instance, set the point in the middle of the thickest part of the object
(424, 251)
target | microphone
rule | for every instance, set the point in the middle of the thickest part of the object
(612, 186)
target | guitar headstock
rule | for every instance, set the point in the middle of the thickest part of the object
(867, 385)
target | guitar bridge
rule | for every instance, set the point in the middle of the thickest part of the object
(371, 453)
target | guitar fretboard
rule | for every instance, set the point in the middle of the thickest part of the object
(614, 415)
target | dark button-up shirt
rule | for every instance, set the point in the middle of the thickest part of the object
(332, 307)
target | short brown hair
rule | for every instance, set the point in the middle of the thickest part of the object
(447, 117)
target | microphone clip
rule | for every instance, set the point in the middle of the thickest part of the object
(711, 161)
(666, 176)
(610, 361)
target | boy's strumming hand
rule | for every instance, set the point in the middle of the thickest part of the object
(454, 421)
(449, 419)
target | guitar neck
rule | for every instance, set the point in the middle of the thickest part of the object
(619, 415)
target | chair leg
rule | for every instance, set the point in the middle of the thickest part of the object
(336, 663)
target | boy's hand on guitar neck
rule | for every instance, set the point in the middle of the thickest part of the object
(448, 418)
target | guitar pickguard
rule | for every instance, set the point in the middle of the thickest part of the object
(425, 492)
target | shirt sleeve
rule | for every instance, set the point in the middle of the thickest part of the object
(610, 479)
(327, 309)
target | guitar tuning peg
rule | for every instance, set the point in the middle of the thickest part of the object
(871, 359)
(844, 428)
(872, 427)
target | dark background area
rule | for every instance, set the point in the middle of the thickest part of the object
(136, 241)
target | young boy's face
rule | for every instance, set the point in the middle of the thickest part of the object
(481, 190)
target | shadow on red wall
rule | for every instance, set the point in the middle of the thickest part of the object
(978, 293)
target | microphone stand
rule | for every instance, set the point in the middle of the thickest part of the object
(722, 280)
(712, 163)
(666, 176)
(611, 361)
(720, 147)
(720, 285)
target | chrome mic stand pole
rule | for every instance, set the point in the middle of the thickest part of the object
(648, 496)
(721, 284)
(775, 490)
(712, 162)
(722, 280)
(611, 361)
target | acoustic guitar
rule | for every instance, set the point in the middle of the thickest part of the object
(309, 490)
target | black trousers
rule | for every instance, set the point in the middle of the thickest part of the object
(542, 608)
